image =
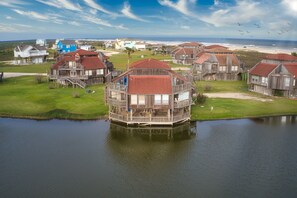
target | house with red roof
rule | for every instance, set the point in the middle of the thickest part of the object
(276, 74)
(185, 53)
(80, 68)
(216, 66)
(149, 93)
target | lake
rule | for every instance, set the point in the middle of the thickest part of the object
(226, 158)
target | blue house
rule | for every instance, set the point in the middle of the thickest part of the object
(64, 46)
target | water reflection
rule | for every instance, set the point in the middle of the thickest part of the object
(277, 120)
(153, 133)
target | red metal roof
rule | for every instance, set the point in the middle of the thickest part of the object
(92, 63)
(215, 46)
(281, 57)
(191, 44)
(222, 58)
(149, 84)
(292, 68)
(150, 64)
(82, 52)
(204, 57)
(219, 50)
(263, 69)
(184, 51)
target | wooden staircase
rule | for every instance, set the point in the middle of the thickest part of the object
(76, 82)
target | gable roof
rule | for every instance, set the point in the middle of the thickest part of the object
(204, 57)
(150, 64)
(292, 68)
(222, 59)
(215, 46)
(184, 51)
(281, 57)
(149, 84)
(82, 52)
(219, 50)
(92, 63)
(190, 44)
(263, 69)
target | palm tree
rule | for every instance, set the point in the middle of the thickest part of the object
(129, 51)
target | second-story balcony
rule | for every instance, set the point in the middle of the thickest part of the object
(116, 102)
(181, 104)
(182, 87)
(117, 87)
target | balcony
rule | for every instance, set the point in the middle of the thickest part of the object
(181, 104)
(182, 87)
(115, 102)
(117, 87)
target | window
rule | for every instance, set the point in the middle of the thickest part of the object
(264, 80)
(88, 72)
(287, 82)
(234, 68)
(157, 99)
(294, 82)
(184, 96)
(222, 68)
(141, 99)
(133, 99)
(99, 71)
(113, 94)
(54, 72)
(255, 78)
(165, 99)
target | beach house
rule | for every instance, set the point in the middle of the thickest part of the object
(185, 53)
(79, 68)
(216, 63)
(64, 46)
(149, 93)
(276, 74)
(26, 54)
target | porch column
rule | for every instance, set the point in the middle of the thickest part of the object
(168, 114)
(131, 114)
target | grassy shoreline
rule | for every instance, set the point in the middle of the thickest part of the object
(22, 97)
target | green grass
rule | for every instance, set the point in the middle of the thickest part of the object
(235, 108)
(120, 60)
(249, 58)
(221, 86)
(23, 97)
(32, 68)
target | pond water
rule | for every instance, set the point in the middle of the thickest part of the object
(227, 158)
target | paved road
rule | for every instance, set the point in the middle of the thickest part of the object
(13, 74)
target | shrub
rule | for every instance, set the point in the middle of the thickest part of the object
(207, 88)
(75, 95)
(200, 98)
(38, 79)
(51, 86)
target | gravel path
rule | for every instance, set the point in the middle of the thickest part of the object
(236, 96)
(13, 74)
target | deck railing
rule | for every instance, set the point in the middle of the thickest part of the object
(182, 87)
(181, 104)
(115, 102)
(153, 119)
(117, 87)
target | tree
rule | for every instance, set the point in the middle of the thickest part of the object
(294, 53)
(129, 51)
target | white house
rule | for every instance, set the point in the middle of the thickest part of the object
(24, 54)
(86, 47)
(121, 44)
(140, 45)
(41, 42)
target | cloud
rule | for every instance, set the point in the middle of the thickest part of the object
(65, 4)
(121, 27)
(13, 27)
(55, 18)
(96, 21)
(96, 6)
(185, 27)
(291, 6)
(243, 12)
(12, 3)
(8, 17)
(126, 11)
(180, 6)
(93, 11)
(74, 23)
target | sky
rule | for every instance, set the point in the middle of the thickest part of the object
(251, 19)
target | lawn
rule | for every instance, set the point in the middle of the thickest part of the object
(32, 68)
(23, 97)
(221, 86)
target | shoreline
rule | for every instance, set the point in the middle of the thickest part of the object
(104, 118)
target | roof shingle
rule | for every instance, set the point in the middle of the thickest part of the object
(263, 69)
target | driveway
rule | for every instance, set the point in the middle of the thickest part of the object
(17, 74)
(236, 96)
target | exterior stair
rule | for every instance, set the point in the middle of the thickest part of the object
(77, 82)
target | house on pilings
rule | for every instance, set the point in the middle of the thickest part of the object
(149, 93)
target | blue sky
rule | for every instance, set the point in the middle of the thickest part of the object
(269, 19)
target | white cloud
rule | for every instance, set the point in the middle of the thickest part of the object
(244, 11)
(291, 6)
(8, 17)
(180, 6)
(185, 27)
(216, 2)
(55, 18)
(93, 11)
(122, 27)
(126, 11)
(13, 27)
(96, 6)
(12, 3)
(32, 14)
(96, 21)
(64, 4)
(74, 23)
